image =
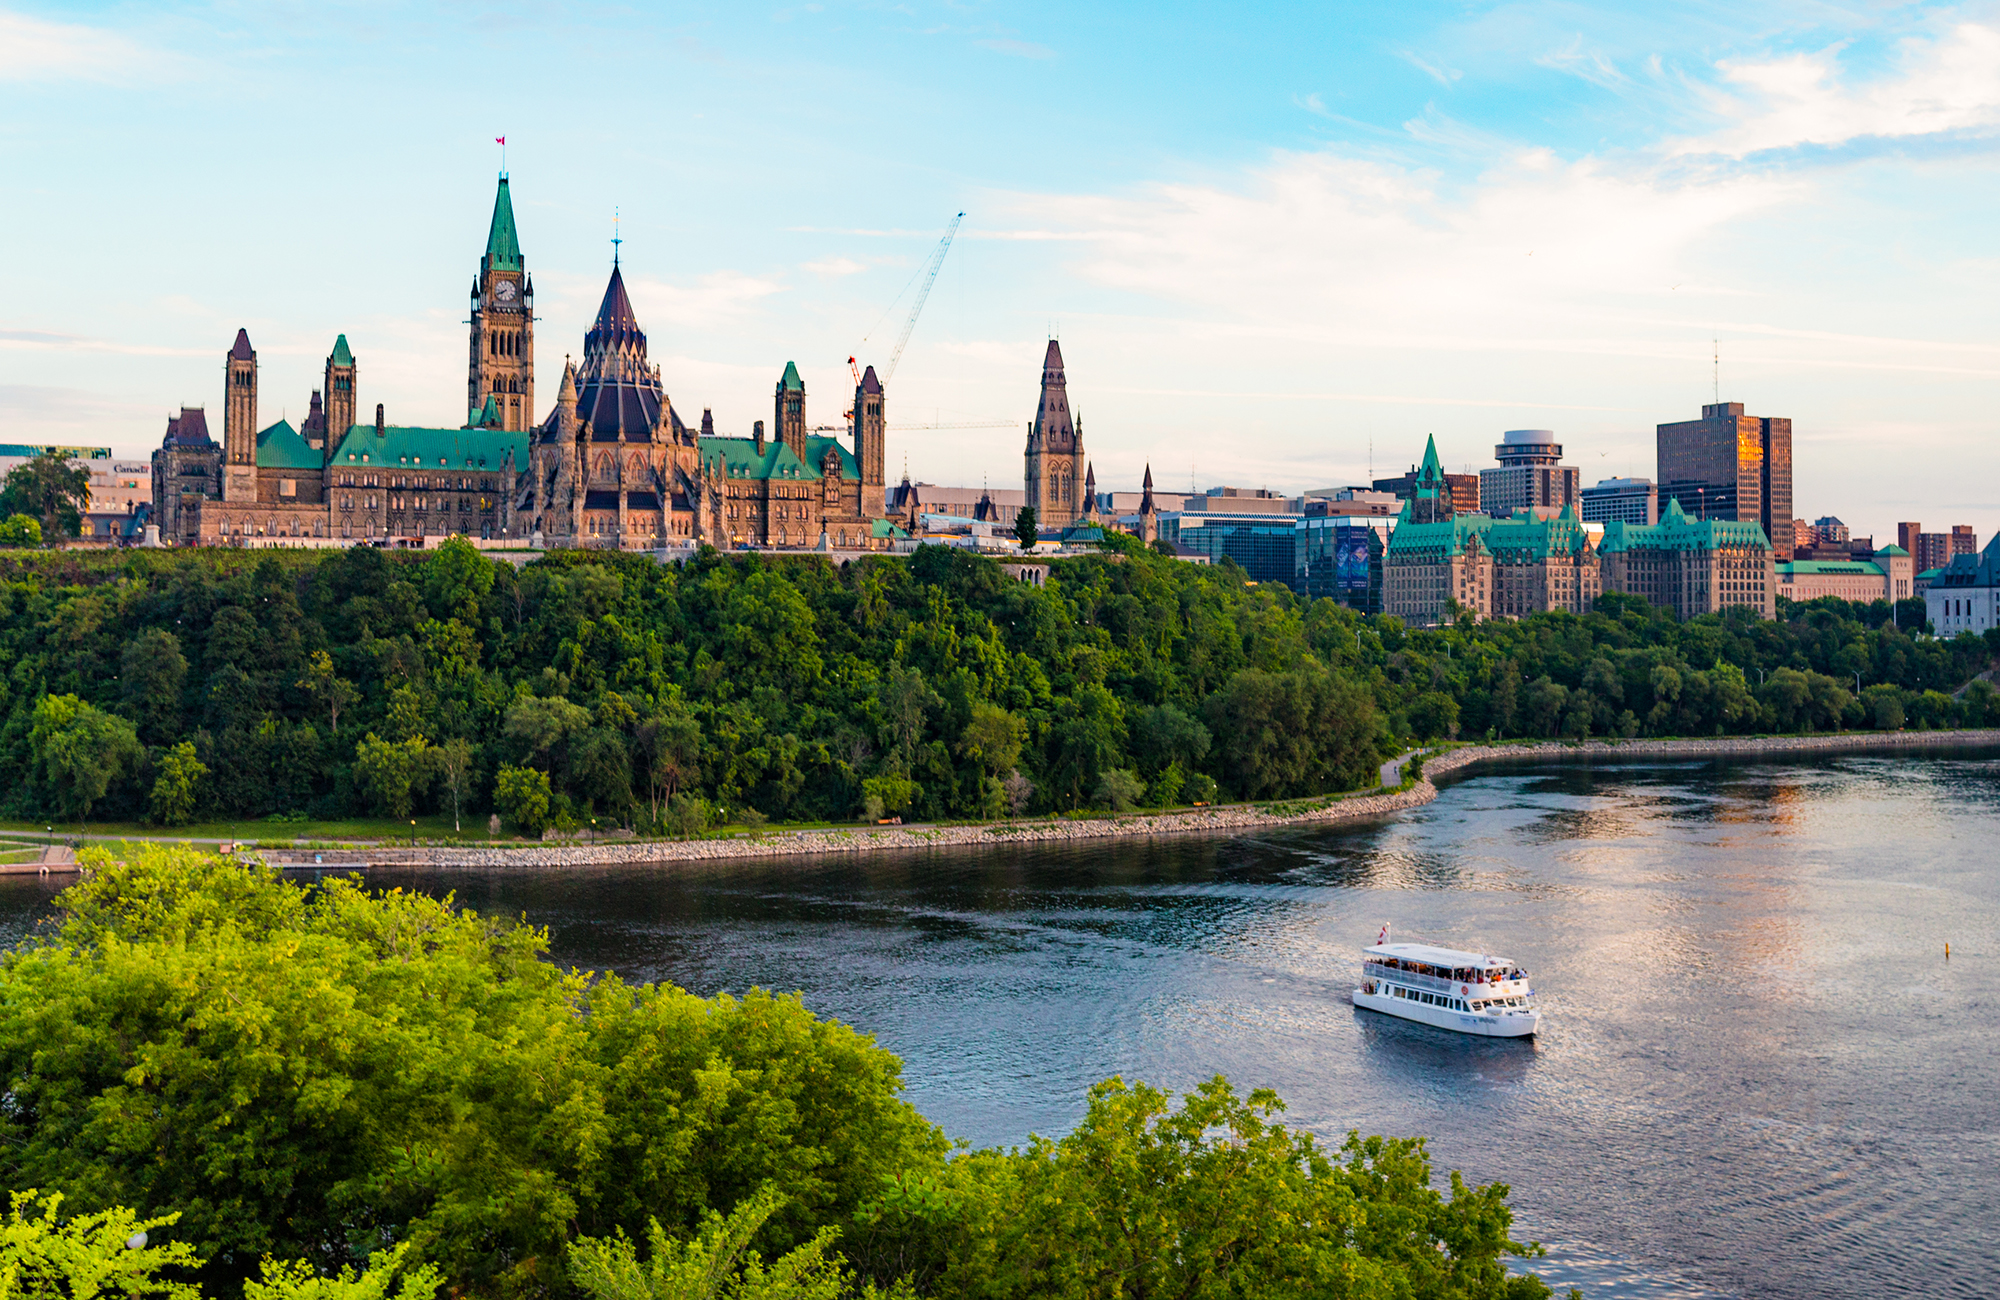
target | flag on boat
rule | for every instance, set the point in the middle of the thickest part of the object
(1383, 937)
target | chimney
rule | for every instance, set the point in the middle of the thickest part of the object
(707, 423)
(759, 436)
(379, 431)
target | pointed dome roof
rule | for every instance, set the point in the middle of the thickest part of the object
(790, 382)
(618, 391)
(614, 314)
(241, 349)
(503, 245)
(341, 355)
(869, 383)
(1052, 415)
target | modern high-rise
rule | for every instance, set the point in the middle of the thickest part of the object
(1530, 474)
(1728, 465)
(1627, 500)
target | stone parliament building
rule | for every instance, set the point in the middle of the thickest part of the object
(612, 465)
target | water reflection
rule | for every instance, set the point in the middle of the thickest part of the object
(1757, 1075)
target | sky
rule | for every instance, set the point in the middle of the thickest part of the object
(1280, 244)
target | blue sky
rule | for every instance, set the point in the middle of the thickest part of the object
(1270, 239)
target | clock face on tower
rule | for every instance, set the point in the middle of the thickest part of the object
(506, 292)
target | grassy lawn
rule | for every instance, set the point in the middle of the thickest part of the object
(428, 828)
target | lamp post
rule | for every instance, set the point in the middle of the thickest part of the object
(413, 832)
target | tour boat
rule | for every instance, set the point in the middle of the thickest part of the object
(1470, 992)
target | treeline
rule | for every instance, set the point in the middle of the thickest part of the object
(289, 1083)
(226, 684)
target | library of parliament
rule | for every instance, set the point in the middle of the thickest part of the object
(612, 465)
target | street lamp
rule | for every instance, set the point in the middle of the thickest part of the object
(413, 832)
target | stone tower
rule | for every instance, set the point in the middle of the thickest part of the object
(789, 411)
(870, 430)
(1055, 458)
(502, 347)
(239, 421)
(339, 390)
(1149, 514)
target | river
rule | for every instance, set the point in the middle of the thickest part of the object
(1759, 1075)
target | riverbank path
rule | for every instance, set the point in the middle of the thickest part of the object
(1392, 771)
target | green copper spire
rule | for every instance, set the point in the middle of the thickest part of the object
(503, 248)
(341, 355)
(791, 383)
(1431, 472)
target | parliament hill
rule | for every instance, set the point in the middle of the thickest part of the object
(611, 465)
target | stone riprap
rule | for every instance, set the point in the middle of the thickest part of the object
(1354, 808)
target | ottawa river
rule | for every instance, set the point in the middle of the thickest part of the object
(1758, 1075)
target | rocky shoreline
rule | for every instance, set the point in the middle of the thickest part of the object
(1354, 808)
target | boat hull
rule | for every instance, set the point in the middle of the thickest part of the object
(1509, 1024)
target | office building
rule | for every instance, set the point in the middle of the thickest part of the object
(1265, 545)
(1627, 500)
(1340, 557)
(1962, 597)
(1463, 489)
(1728, 465)
(1887, 574)
(1529, 476)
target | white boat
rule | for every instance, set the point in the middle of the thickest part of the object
(1470, 992)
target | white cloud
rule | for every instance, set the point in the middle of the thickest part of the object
(34, 50)
(1337, 246)
(834, 266)
(1945, 84)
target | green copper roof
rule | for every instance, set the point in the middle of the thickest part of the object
(738, 458)
(791, 383)
(406, 447)
(503, 247)
(1521, 538)
(1892, 549)
(487, 416)
(883, 528)
(1852, 568)
(1431, 471)
(1928, 574)
(341, 356)
(1677, 531)
(281, 447)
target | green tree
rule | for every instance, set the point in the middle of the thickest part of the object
(716, 1264)
(50, 489)
(332, 691)
(456, 578)
(394, 772)
(522, 796)
(20, 531)
(453, 760)
(993, 738)
(1119, 789)
(1026, 528)
(1164, 735)
(177, 788)
(1214, 1200)
(47, 1255)
(80, 751)
(151, 672)
(1308, 731)
(668, 744)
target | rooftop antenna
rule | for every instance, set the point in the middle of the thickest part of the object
(1717, 345)
(615, 240)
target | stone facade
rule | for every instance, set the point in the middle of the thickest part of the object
(1692, 566)
(1439, 559)
(1889, 574)
(1054, 461)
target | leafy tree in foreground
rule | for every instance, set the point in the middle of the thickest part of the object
(50, 489)
(20, 530)
(80, 750)
(1026, 528)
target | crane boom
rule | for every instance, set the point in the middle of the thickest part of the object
(923, 295)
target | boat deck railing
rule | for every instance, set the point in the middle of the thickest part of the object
(1410, 979)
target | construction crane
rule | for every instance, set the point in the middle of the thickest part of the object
(958, 424)
(923, 295)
